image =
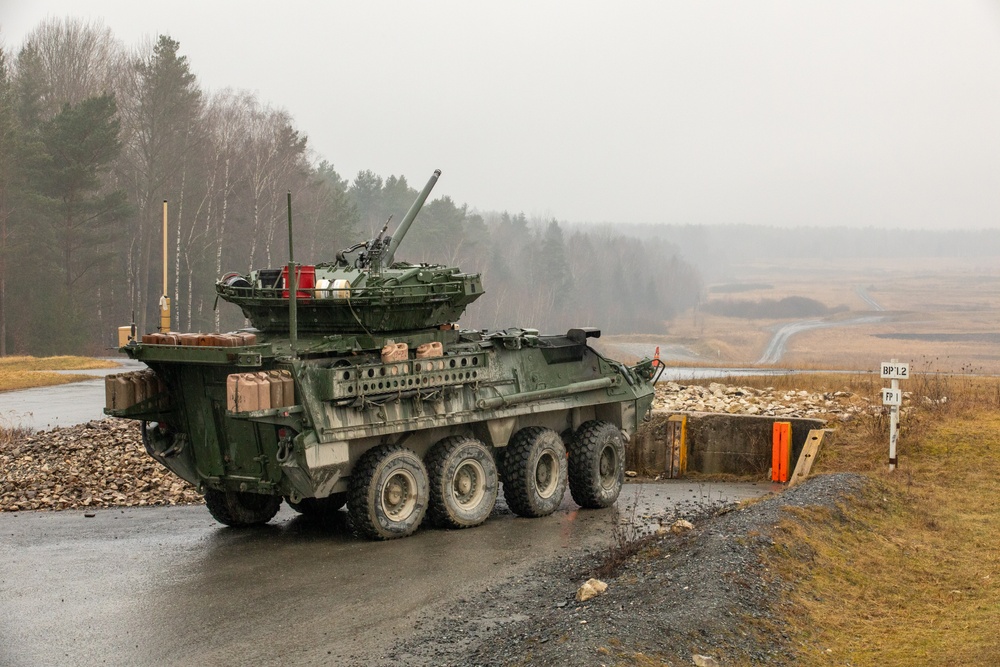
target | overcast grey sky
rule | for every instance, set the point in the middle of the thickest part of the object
(787, 113)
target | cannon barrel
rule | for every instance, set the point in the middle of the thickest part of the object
(404, 226)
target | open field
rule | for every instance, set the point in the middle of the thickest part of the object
(28, 372)
(908, 574)
(941, 315)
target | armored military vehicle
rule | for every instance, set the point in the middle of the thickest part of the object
(355, 386)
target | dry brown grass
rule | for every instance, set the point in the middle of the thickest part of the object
(910, 573)
(12, 434)
(27, 372)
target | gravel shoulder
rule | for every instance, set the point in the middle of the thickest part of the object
(706, 592)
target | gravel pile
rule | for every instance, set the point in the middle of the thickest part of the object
(97, 464)
(701, 592)
(840, 405)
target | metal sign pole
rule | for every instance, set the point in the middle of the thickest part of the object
(893, 429)
(893, 398)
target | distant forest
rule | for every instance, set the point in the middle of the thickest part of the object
(95, 135)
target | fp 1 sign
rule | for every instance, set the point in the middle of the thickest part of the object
(892, 397)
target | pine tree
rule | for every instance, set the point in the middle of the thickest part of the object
(83, 217)
(9, 150)
(337, 224)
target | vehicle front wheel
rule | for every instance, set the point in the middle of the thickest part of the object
(238, 509)
(388, 493)
(596, 464)
(534, 472)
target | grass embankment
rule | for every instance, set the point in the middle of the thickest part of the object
(27, 372)
(910, 573)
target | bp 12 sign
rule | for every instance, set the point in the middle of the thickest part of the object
(894, 370)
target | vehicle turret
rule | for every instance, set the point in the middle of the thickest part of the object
(375, 295)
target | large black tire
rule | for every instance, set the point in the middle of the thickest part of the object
(596, 464)
(319, 507)
(534, 472)
(463, 481)
(237, 509)
(389, 493)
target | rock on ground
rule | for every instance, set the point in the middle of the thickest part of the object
(768, 402)
(97, 464)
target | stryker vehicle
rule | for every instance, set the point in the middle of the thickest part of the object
(362, 391)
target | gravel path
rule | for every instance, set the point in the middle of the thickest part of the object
(779, 341)
(701, 592)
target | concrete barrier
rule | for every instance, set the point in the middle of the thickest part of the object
(716, 443)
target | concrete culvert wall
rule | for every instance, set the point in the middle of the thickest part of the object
(716, 443)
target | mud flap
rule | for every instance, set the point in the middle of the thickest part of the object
(318, 468)
(497, 432)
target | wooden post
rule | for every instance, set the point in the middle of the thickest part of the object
(164, 300)
(677, 443)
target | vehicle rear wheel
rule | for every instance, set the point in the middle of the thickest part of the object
(534, 472)
(318, 507)
(463, 482)
(389, 493)
(596, 464)
(238, 509)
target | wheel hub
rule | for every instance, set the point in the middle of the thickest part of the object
(399, 495)
(608, 467)
(546, 475)
(469, 484)
(464, 484)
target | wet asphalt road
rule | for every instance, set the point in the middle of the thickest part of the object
(169, 586)
(43, 408)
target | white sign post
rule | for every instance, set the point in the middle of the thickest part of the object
(893, 398)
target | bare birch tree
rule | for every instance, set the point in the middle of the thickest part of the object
(227, 119)
(161, 106)
(71, 60)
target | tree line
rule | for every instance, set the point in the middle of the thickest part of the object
(94, 136)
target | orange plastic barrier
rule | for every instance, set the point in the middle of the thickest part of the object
(781, 451)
